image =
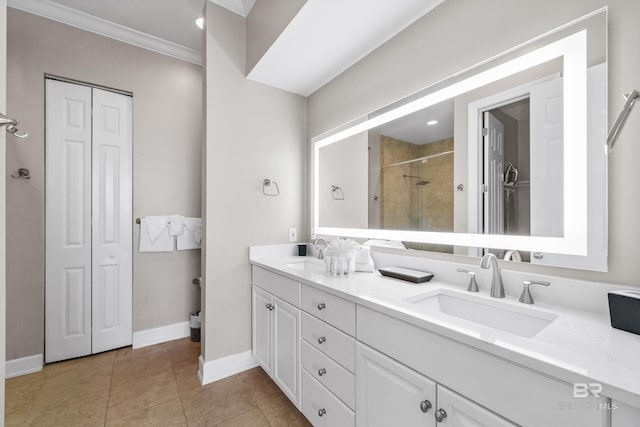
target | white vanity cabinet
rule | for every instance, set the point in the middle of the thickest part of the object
(389, 393)
(328, 358)
(276, 330)
(516, 393)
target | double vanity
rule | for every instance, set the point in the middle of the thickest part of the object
(373, 351)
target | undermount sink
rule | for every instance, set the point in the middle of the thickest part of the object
(522, 321)
(307, 264)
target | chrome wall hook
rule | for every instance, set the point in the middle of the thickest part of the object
(23, 173)
(12, 126)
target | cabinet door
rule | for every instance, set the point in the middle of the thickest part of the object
(261, 328)
(390, 394)
(457, 411)
(286, 349)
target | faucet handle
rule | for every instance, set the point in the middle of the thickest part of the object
(526, 297)
(473, 285)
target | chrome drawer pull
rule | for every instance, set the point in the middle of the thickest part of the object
(322, 371)
(321, 306)
(321, 412)
(441, 414)
(425, 405)
(322, 340)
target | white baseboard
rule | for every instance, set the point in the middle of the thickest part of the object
(224, 367)
(24, 366)
(162, 334)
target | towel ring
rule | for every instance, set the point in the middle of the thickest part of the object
(337, 193)
(267, 183)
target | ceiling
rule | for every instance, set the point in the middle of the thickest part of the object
(170, 20)
(413, 127)
(328, 36)
(324, 39)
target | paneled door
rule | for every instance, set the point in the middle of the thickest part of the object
(112, 225)
(88, 281)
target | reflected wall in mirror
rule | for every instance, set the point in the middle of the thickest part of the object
(500, 162)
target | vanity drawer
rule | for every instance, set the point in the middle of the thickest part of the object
(330, 341)
(330, 374)
(333, 310)
(321, 407)
(280, 286)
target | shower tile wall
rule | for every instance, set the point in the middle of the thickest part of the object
(408, 206)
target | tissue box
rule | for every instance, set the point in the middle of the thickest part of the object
(624, 309)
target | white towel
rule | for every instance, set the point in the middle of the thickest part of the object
(191, 236)
(162, 242)
(154, 226)
(176, 224)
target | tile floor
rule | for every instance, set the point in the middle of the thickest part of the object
(151, 386)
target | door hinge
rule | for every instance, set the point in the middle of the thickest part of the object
(485, 131)
(484, 188)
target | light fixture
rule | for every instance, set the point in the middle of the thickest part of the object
(200, 22)
(432, 122)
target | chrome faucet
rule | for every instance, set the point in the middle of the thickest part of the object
(497, 288)
(315, 243)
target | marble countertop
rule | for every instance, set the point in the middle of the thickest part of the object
(577, 347)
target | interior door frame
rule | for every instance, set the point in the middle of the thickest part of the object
(475, 153)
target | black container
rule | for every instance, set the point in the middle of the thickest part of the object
(624, 309)
(302, 249)
(195, 334)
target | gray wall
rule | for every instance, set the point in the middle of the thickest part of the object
(460, 33)
(3, 59)
(265, 22)
(167, 135)
(253, 132)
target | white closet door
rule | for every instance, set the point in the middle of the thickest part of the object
(68, 221)
(112, 221)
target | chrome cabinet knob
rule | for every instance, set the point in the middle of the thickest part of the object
(321, 412)
(538, 255)
(425, 405)
(322, 340)
(441, 414)
(270, 307)
(322, 371)
(321, 306)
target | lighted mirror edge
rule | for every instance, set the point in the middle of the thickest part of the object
(573, 49)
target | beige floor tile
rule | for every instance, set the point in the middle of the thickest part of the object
(153, 386)
(143, 392)
(186, 373)
(253, 418)
(283, 413)
(167, 413)
(84, 411)
(217, 402)
(262, 388)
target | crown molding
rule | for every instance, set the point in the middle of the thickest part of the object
(240, 7)
(84, 21)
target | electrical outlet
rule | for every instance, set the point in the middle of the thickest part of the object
(293, 235)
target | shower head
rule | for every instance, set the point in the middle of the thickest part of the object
(423, 182)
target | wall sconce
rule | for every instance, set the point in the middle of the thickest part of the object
(267, 183)
(337, 193)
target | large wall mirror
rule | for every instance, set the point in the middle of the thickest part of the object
(507, 157)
